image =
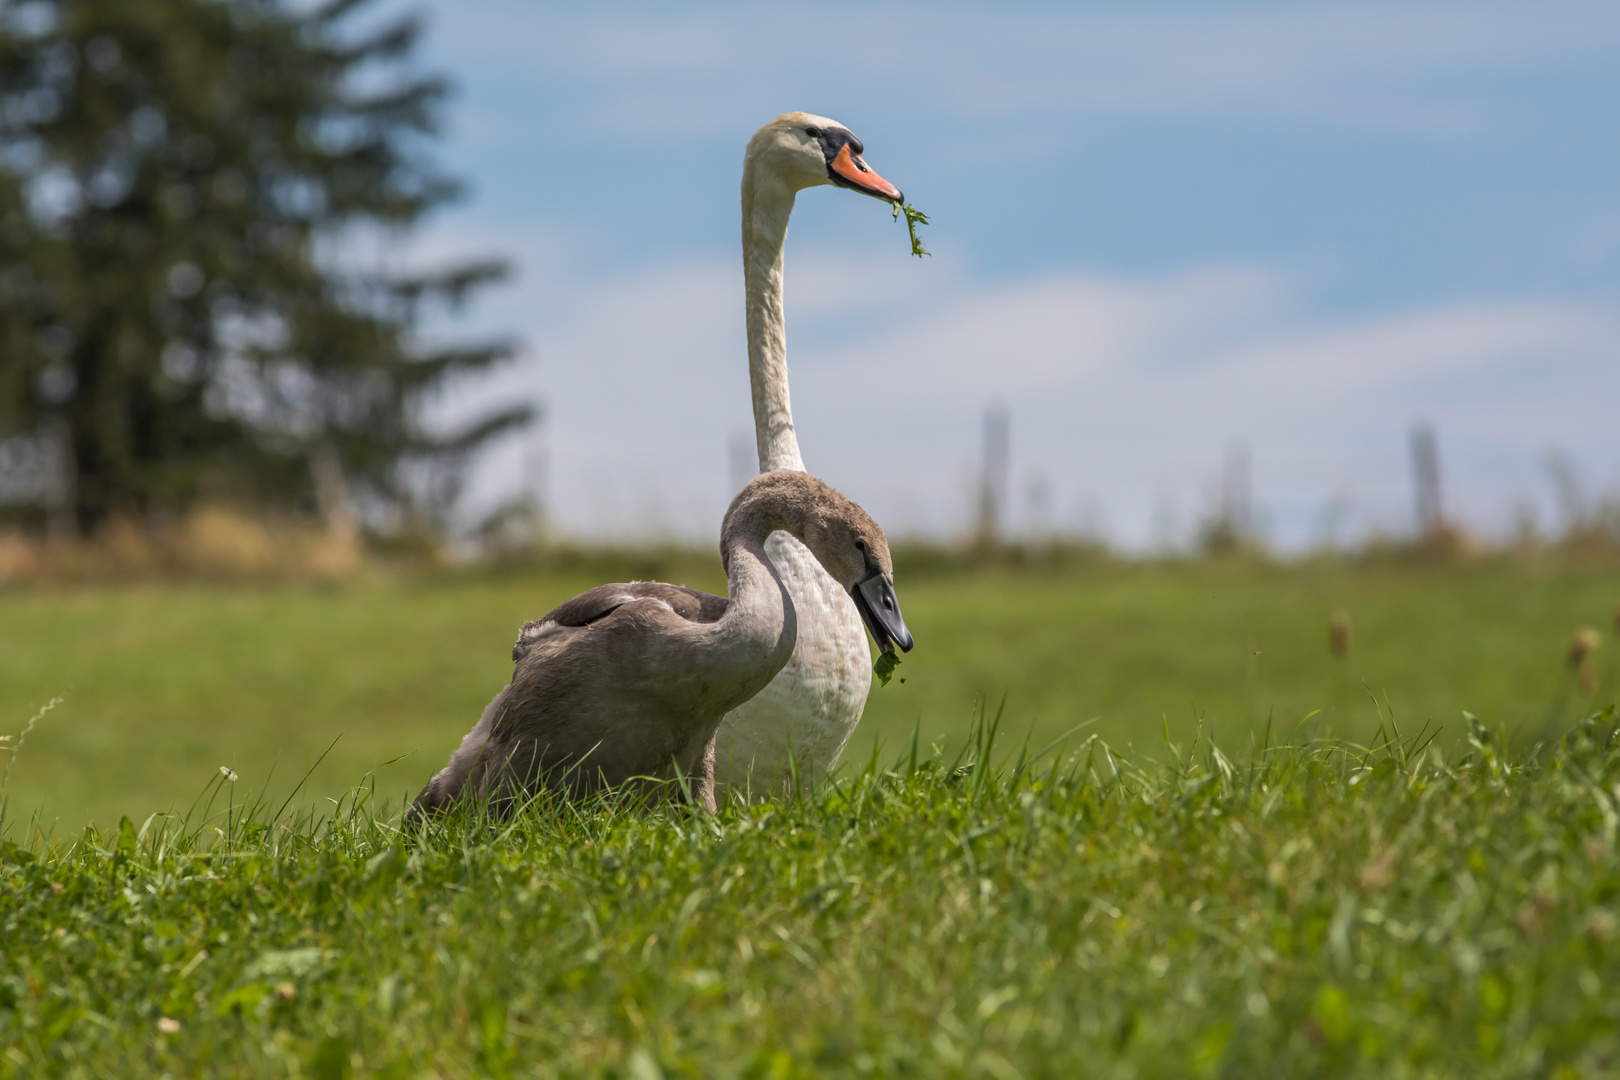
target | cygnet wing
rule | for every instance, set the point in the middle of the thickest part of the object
(604, 600)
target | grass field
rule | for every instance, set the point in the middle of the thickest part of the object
(165, 683)
(1308, 911)
(1126, 906)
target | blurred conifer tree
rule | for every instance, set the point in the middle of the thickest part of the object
(182, 316)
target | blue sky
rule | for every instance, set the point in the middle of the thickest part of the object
(1159, 231)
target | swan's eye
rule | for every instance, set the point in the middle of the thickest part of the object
(860, 546)
(814, 133)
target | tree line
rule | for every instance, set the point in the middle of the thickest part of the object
(179, 180)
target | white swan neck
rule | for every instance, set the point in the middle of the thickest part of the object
(766, 206)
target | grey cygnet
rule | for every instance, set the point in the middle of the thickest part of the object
(627, 683)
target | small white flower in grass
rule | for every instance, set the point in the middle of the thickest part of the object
(168, 1025)
(228, 773)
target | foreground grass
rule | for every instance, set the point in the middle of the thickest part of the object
(166, 682)
(1305, 911)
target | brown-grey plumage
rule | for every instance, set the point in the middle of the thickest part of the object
(630, 681)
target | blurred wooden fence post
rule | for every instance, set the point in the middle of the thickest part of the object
(1426, 478)
(332, 493)
(993, 477)
(1237, 493)
(61, 481)
(1230, 526)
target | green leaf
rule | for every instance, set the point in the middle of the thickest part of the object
(1331, 1012)
(491, 1048)
(126, 839)
(1211, 1048)
(330, 1061)
(914, 218)
(884, 668)
(243, 998)
(382, 872)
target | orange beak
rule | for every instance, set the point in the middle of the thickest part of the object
(858, 175)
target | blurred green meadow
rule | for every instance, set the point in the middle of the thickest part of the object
(163, 683)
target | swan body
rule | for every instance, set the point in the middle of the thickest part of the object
(626, 683)
(807, 713)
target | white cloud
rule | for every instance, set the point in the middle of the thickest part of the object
(1124, 393)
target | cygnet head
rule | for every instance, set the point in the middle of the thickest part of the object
(802, 150)
(846, 541)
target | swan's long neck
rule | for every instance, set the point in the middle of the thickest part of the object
(756, 635)
(766, 206)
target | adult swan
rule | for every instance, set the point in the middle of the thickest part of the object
(808, 712)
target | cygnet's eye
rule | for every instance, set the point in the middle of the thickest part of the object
(860, 546)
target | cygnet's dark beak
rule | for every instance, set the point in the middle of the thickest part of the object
(880, 610)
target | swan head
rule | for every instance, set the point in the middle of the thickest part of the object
(803, 150)
(846, 541)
